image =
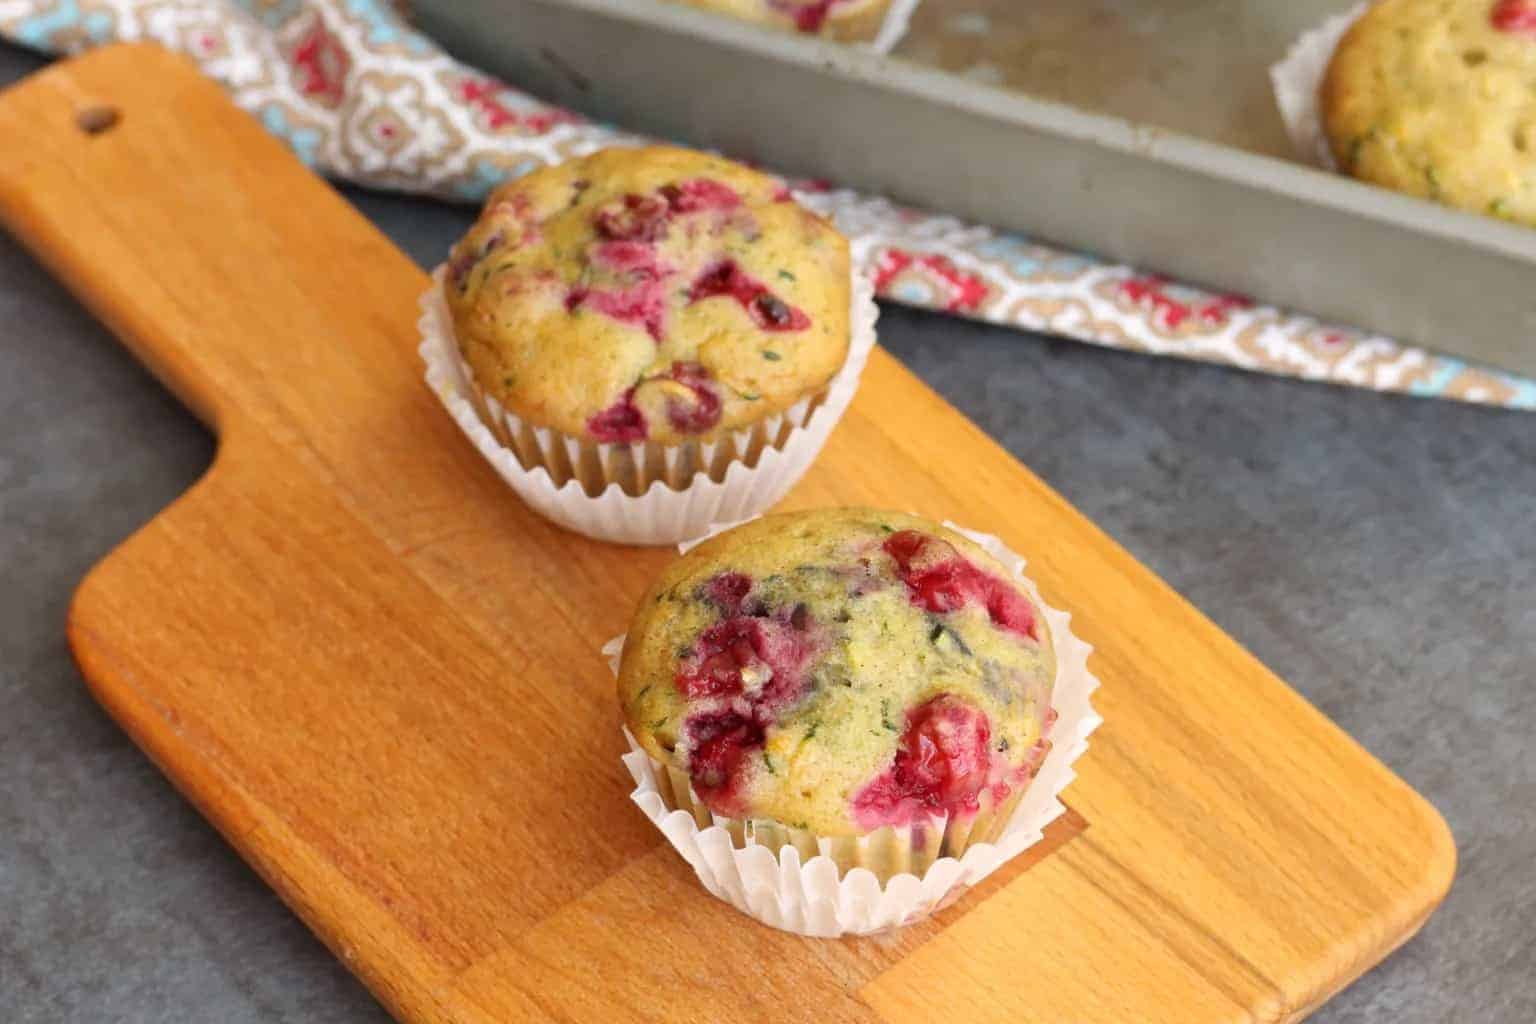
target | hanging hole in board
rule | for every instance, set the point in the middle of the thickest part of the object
(96, 120)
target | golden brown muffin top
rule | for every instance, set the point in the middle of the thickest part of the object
(840, 670)
(1437, 98)
(649, 294)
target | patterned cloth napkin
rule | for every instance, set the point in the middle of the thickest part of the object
(361, 96)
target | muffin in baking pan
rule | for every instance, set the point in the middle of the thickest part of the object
(1437, 98)
(847, 20)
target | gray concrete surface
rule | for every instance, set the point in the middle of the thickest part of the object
(1380, 553)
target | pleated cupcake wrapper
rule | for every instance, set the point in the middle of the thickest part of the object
(643, 493)
(633, 466)
(886, 853)
(827, 886)
(897, 17)
(1297, 78)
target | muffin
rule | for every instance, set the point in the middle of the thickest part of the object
(846, 20)
(859, 683)
(652, 294)
(1435, 98)
(645, 315)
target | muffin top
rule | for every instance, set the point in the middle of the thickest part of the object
(840, 670)
(837, 19)
(1437, 98)
(649, 294)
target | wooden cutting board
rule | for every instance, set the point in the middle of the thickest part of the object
(378, 674)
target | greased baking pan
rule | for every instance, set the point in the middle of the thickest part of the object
(1140, 131)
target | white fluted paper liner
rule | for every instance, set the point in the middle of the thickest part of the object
(684, 500)
(808, 897)
(897, 17)
(1297, 78)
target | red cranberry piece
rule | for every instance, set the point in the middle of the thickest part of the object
(465, 259)
(642, 306)
(700, 194)
(944, 588)
(787, 651)
(719, 744)
(783, 317)
(634, 218)
(941, 764)
(1515, 16)
(904, 546)
(620, 423)
(723, 278)
(767, 310)
(944, 754)
(771, 652)
(637, 218)
(771, 648)
(773, 310)
(642, 298)
(459, 266)
(941, 581)
(704, 411)
(697, 418)
(1009, 610)
(722, 671)
(639, 260)
(723, 650)
(728, 590)
(641, 301)
(809, 17)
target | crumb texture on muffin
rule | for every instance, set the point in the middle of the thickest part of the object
(835, 19)
(1437, 98)
(652, 294)
(840, 671)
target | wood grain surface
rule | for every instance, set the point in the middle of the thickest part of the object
(378, 674)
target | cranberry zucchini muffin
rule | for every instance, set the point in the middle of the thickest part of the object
(648, 295)
(1437, 98)
(847, 20)
(838, 673)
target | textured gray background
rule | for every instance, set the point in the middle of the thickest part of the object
(1379, 553)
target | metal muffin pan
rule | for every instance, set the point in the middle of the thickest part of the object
(1140, 131)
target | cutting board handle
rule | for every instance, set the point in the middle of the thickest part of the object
(130, 175)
